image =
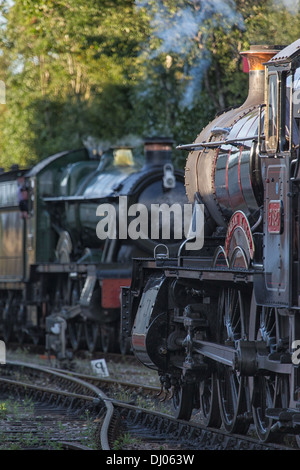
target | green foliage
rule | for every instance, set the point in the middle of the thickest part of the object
(112, 68)
(68, 77)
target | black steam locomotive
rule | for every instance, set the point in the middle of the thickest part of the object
(60, 275)
(220, 323)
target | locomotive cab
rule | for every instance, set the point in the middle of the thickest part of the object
(282, 122)
(280, 169)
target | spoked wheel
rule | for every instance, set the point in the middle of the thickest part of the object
(208, 392)
(109, 338)
(233, 390)
(125, 346)
(8, 320)
(92, 335)
(268, 392)
(35, 337)
(7, 330)
(75, 327)
(21, 333)
(183, 401)
(75, 331)
(272, 390)
(208, 389)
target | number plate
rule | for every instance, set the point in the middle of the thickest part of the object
(275, 217)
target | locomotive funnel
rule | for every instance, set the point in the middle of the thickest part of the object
(158, 151)
(257, 56)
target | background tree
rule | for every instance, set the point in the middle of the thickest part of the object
(193, 67)
(69, 74)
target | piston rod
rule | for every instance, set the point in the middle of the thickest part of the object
(248, 357)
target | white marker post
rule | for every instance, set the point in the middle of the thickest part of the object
(2, 353)
(100, 368)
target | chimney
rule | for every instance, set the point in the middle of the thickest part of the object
(158, 151)
(257, 56)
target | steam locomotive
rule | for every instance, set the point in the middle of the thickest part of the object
(59, 280)
(220, 324)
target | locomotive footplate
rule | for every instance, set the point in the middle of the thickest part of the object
(247, 357)
(55, 268)
(201, 272)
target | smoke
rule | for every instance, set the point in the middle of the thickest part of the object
(178, 31)
(129, 140)
(184, 32)
(96, 147)
(292, 6)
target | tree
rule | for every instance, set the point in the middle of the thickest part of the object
(69, 74)
(192, 67)
(192, 62)
(113, 68)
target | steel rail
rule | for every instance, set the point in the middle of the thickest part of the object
(92, 388)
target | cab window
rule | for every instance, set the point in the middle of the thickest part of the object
(272, 117)
(296, 107)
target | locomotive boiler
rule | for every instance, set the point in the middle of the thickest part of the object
(57, 276)
(220, 324)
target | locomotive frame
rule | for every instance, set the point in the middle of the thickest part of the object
(58, 281)
(220, 326)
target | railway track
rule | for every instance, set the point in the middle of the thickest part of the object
(58, 392)
(65, 397)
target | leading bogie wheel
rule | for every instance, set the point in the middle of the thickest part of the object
(183, 401)
(208, 394)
